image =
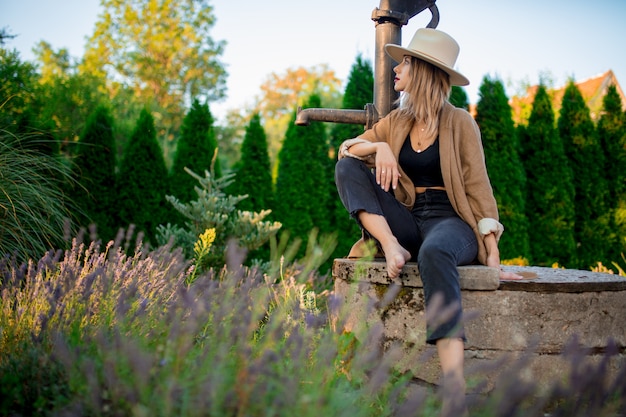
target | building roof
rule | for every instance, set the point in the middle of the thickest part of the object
(592, 89)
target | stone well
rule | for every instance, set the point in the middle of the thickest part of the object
(505, 321)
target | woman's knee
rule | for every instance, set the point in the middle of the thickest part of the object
(345, 166)
(435, 252)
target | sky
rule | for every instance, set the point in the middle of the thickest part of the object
(518, 42)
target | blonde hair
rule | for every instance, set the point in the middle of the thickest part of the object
(425, 95)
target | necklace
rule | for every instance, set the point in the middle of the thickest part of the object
(419, 141)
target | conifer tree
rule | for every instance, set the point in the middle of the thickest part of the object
(302, 185)
(549, 188)
(195, 150)
(508, 179)
(359, 92)
(254, 175)
(142, 180)
(586, 158)
(95, 193)
(458, 97)
(612, 135)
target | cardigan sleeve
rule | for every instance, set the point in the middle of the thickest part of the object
(477, 184)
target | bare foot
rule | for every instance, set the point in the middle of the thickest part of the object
(396, 256)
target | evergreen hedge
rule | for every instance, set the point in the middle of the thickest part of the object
(195, 150)
(612, 134)
(302, 187)
(254, 174)
(95, 192)
(586, 158)
(359, 92)
(549, 189)
(142, 180)
(508, 178)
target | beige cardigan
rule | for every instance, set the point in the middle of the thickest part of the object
(462, 166)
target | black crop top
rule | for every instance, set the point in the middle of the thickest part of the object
(423, 168)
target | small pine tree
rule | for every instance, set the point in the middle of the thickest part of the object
(215, 213)
(95, 193)
(195, 150)
(494, 116)
(254, 174)
(549, 188)
(301, 186)
(585, 155)
(612, 135)
(359, 92)
(458, 97)
(142, 180)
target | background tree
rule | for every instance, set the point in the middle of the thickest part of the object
(549, 188)
(163, 49)
(280, 94)
(95, 192)
(301, 187)
(359, 91)
(253, 172)
(508, 179)
(585, 155)
(195, 150)
(229, 135)
(612, 135)
(18, 88)
(458, 97)
(142, 180)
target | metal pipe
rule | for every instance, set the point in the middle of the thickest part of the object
(388, 30)
(389, 18)
(367, 117)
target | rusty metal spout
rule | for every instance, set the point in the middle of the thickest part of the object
(389, 18)
(367, 117)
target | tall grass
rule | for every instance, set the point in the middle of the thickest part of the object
(33, 210)
(92, 331)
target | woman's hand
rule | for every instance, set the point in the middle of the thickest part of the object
(493, 259)
(387, 172)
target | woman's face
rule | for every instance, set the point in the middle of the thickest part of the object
(403, 74)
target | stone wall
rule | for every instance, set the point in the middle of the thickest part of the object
(525, 323)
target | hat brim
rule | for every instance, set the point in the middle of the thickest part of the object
(397, 53)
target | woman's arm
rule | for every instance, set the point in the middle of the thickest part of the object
(387, 170)
(493, 258)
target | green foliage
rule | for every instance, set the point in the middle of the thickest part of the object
(359, 92)
(34, 209)
(214, 210)
(142, 180)
(163, 50)
(195, 150)
(18, 99)
(584, 151)
(95, 192)
(254, 175)
(612, 135)
(458, 97)
(303, 185)
(549, 188)
(500, 141)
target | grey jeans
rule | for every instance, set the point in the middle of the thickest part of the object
(437, 238)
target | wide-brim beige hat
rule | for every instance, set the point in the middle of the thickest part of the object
(435, 47)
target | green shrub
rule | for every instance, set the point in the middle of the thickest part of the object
(213, 209)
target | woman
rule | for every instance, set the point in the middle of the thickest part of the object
(417, 184)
